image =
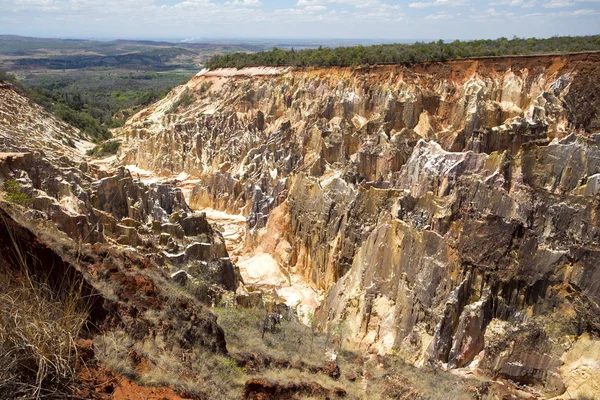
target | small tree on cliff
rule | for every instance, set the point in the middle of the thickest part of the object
(14, 194)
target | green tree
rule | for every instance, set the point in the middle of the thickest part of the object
(14, 193)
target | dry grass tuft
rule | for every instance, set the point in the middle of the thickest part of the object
(112, 350)
(197, 371)
(292, 341)
(38, 329)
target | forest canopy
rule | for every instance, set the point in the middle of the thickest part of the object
(406, 53)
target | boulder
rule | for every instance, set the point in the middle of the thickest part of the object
(175, 230)
(196, 224)
(180, 277)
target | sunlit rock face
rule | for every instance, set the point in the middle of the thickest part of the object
(45, 160)
(447, 211)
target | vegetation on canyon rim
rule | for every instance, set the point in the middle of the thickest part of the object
(97, 85)
(406, 53)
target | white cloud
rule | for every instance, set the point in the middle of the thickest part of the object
(373, 10)
(491, 14)
(355, 3)
(126, 12)
(438, 3)
(576, 13)
(300, 18)
(244, 3)
(315, 8)
(364, 4)
(559, 4)
(566, 3)
(513, 3)
(439, 16)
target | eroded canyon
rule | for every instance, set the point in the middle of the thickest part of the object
(442, 213)
(447, 211)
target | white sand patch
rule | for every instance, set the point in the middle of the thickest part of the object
(183, 180)
(299, 294)
(135, 171)
(105, 164)
(182, 176)
(221, 216)
(262, 271)
(301, 298)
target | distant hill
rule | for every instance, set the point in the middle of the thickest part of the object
(156, 59)
(20, 52)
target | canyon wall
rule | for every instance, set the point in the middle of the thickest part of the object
(44, 160)
(447, 211)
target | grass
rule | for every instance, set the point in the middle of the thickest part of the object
(291, 341)
(112, 350)
(362, 376)
(196, 371)
(105, 149)
(200, 371)
(185, 99)
(38, 329)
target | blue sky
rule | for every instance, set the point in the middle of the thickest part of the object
(310, 19)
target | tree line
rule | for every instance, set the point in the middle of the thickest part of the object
(406, 53)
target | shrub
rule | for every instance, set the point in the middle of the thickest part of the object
(185, 99)
(204, 87)
(104, 149)
(14, 194)
(3, 75)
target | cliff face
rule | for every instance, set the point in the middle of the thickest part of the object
(448, 212)
(92, 204)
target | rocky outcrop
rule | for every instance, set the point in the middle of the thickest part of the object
(91, 204)
(121, 292)
(259, 128)
(470, 243)
(21, 118)
(446, 211)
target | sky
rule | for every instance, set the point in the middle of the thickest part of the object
(302, 19)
